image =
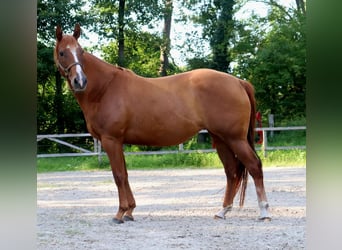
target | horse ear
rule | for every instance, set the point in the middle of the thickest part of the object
(59, 33)
(77, 31)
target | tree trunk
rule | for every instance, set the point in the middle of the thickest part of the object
(58, 106)
(166, 44)
(121, 38)
(219, 42)
(301, 6)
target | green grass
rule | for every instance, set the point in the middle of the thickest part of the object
(287, 138)
(175, 161)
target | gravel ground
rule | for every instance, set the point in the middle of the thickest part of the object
(175, 210)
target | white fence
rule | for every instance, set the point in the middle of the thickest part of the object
(97, 150)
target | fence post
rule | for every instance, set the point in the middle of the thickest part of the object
(99, 157)
(264, 142)
(97, 149)
(271, 123)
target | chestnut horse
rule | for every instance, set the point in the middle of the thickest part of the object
(121, 107)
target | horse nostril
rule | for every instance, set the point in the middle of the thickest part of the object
(76, 83)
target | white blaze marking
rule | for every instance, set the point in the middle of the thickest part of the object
(78, 67)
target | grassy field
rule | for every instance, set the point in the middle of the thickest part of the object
(180, 160)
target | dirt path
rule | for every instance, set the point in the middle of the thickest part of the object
(175, 210)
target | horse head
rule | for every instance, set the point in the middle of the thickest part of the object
(68, 56)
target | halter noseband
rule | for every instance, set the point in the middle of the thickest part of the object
(67, 69)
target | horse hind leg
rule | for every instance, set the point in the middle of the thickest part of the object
(251, 161)
(234, 174)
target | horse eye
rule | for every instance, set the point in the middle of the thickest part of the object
(61, 53)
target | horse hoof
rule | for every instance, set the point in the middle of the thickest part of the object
(117, 221)
(128, 218)
(216, 217)
(265, 219)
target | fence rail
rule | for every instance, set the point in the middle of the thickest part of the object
(97, 150)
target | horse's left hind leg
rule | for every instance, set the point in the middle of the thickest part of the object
(230, 164)
(252, 162)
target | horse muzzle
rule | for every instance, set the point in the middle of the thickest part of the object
(79, 83)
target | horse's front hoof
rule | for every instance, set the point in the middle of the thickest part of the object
(265, 218)
(128, 218)
(117, 221)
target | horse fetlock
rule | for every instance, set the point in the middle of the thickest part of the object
(264, 213)
(222, 213)
(263, 204)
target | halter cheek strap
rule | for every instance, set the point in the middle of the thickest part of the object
(67, 69)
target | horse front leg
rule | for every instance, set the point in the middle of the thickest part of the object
(116, 157)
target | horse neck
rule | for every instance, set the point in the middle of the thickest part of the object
(99, 75)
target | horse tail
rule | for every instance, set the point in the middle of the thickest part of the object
(250, 137)
(250, 92)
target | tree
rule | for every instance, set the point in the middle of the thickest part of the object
(216, 17)
(223, 32)
(117, 18)
(301, 6)
(51, 13)
(51, 102)
(166, 43)
(274, 60)
(142, 51)
(121, 36)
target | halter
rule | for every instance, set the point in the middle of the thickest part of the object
(67, 69)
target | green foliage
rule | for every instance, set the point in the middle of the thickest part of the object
(281, 75)
(287, 138)
(141, 52)
(193, 160)
(280, 158)
(197, 63)
(51, 13)
(216, 18)
(272, 55)
(137, 14)
(67, 164)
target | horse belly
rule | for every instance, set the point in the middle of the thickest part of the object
(161, 134)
